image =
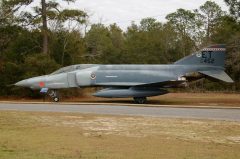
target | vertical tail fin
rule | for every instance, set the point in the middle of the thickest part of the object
(213, 56)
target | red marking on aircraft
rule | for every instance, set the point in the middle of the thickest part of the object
(41, 84)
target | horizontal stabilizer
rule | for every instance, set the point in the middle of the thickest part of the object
(218, 74)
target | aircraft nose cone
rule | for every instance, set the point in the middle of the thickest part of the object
(23, 83)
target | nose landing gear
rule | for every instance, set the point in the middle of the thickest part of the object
(54, 95)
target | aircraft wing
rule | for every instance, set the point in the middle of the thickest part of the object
(163, 84)
(121, 84)
(217, 74)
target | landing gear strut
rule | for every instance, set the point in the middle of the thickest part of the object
(140, 100)
(54, 95)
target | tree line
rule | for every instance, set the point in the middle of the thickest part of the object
(48, 36)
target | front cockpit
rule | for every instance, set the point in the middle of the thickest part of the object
(72, 68)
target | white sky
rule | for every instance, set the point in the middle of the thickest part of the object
(123, 12)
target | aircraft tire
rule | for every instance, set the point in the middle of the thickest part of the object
(56, 99)
(140, 100)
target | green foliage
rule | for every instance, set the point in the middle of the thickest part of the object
(41, 15)
(38, 64)
(24, 43)
(66, 47)
(104, 45)
(72, 14)
(234, 8)
(150, 42)
(10, 72)
(184, 22)
(7, 13)
(211, 14)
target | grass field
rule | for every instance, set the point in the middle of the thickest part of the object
(28, 135)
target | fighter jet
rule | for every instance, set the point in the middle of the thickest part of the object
(136, 81)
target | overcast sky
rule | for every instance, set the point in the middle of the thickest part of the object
(123, 12)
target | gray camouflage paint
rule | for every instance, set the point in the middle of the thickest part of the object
(136, 80)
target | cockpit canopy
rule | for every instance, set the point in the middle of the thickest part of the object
(72, 68)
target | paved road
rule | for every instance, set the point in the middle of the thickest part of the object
(197, 113)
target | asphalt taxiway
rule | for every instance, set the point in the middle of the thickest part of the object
(108, 109)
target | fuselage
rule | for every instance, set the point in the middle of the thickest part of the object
(112, 75)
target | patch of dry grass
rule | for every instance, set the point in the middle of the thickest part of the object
(70, 135)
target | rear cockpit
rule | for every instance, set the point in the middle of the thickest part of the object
(72, 68)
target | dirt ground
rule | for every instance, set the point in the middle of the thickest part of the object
(201, 99)
(70, 135)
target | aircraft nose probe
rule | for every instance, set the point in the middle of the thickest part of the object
(23, 83)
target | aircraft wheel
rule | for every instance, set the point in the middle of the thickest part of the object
(56, 99)
(54, 95)
(140, 100)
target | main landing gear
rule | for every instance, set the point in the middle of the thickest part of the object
(140, 100)
(54, 95)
